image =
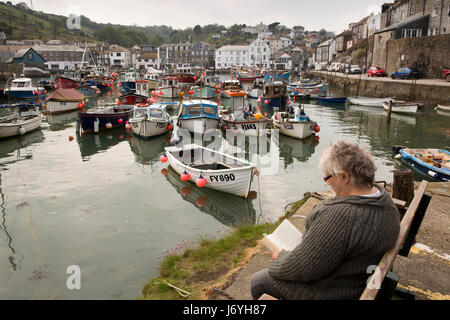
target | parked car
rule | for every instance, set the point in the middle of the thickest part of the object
(405, 73)
(446, 73)
(334, 67)
(355, 69)
(376, 72)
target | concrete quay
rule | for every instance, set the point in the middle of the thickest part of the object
(433, 91)
(425, 272)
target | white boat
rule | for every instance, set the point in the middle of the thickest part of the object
(242, 120)
(369, 102)
(22, 88)
(169, 88)
(198, 116)
(153, 80)
(443, 108)
(150, 121)
(20, 123)
(297, 126)
(64, 100)
(257, 90)
(221, 171)
(402, 107)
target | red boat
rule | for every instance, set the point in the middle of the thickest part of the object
(66, 83)
(130, 99)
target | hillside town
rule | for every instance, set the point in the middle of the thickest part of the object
(371, 41)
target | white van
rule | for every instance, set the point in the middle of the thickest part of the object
(334, 67)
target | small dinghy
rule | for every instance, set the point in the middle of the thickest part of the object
(369, 102)
(296, 125)
(151, 121)
(20, 123)
(211, 169)
(404, 107)
(435, 163)
(331, 99)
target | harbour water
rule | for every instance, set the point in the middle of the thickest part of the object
(101, 203)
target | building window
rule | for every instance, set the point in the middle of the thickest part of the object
(30, 56)
(411, 33)
(412, 4)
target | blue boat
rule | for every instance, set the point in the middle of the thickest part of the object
(22, 88)
(101, 119)
(434, 163)
(332, 99)
(198, 116)
(278, 76)
(275, 96)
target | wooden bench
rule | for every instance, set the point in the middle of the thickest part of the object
(382, 284)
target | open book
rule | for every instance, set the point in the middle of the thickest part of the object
(285, 237)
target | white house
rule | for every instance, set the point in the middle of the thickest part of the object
(61, 57)
(286, 42)
(259, 54)
(119, 57)
(231, 56)
(147, 61)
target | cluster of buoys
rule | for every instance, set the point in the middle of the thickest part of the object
(81, 105)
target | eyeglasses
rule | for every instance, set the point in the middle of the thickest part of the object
(327, 178)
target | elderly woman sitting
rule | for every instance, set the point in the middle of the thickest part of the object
(344, 235)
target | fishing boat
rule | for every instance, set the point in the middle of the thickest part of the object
(185, 75)
(169, 87)
(88, 91)
(129, 100)
(99, 119)
(243, 119)
(22, 88)
(151, 121)
(20, 123)
(128, 83)
(369, 102)
(271, 76)
(153, 80)
(204, 92)
(64, 100)
(246, 76)
(402, 107)
(257, 90)
(198, 116)
(47, 84)
(302, 87)
(296, 125)
(62, 82)
(434, 163)
(331, 99)
(275, 96)
(230, 85)
(212, 169)
(443, 110)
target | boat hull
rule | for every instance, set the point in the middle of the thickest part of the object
(331, 100)
(439, 174)
(87, 120)
(236, 181)
(369, 102)
(169, 92)
(404, 109)
(254, 128)
(199, 125)
(61, 107)
(13, 129)
(206, 92)
(148, 128)
(294, 129)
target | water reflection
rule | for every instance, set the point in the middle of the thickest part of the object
(92, 144)
(148, 151)
(301, 150)
(14, 258)
(228, 209)
(16, 145)
(61, 121)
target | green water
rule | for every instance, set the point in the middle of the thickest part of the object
(100, 202)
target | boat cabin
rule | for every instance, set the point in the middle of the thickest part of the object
(154, 112)
(142, 88)
(22, 83)
(231, 84)
(197, 109)
(169, 82)
(277, 89)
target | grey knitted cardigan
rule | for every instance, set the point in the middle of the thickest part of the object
(343, 237)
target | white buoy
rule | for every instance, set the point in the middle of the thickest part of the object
(108, 125)
(399, 156)
(432, 173)
(22, 130)
(96, 125)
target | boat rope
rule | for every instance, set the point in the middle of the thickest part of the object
(180, 291)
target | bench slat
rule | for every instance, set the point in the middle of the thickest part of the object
(387, 261)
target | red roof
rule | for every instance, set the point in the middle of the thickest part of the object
(65, 95)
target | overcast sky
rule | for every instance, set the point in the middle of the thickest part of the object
(332, 15)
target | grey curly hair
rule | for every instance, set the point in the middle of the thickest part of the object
(344, 156)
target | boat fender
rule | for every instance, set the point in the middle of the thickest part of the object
(201, 182)
(108, 125)
(96, 125)
(22, 130)
(185, 176)
(432, 174)
(398, 156)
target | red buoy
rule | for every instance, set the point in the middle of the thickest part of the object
(185, 176)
